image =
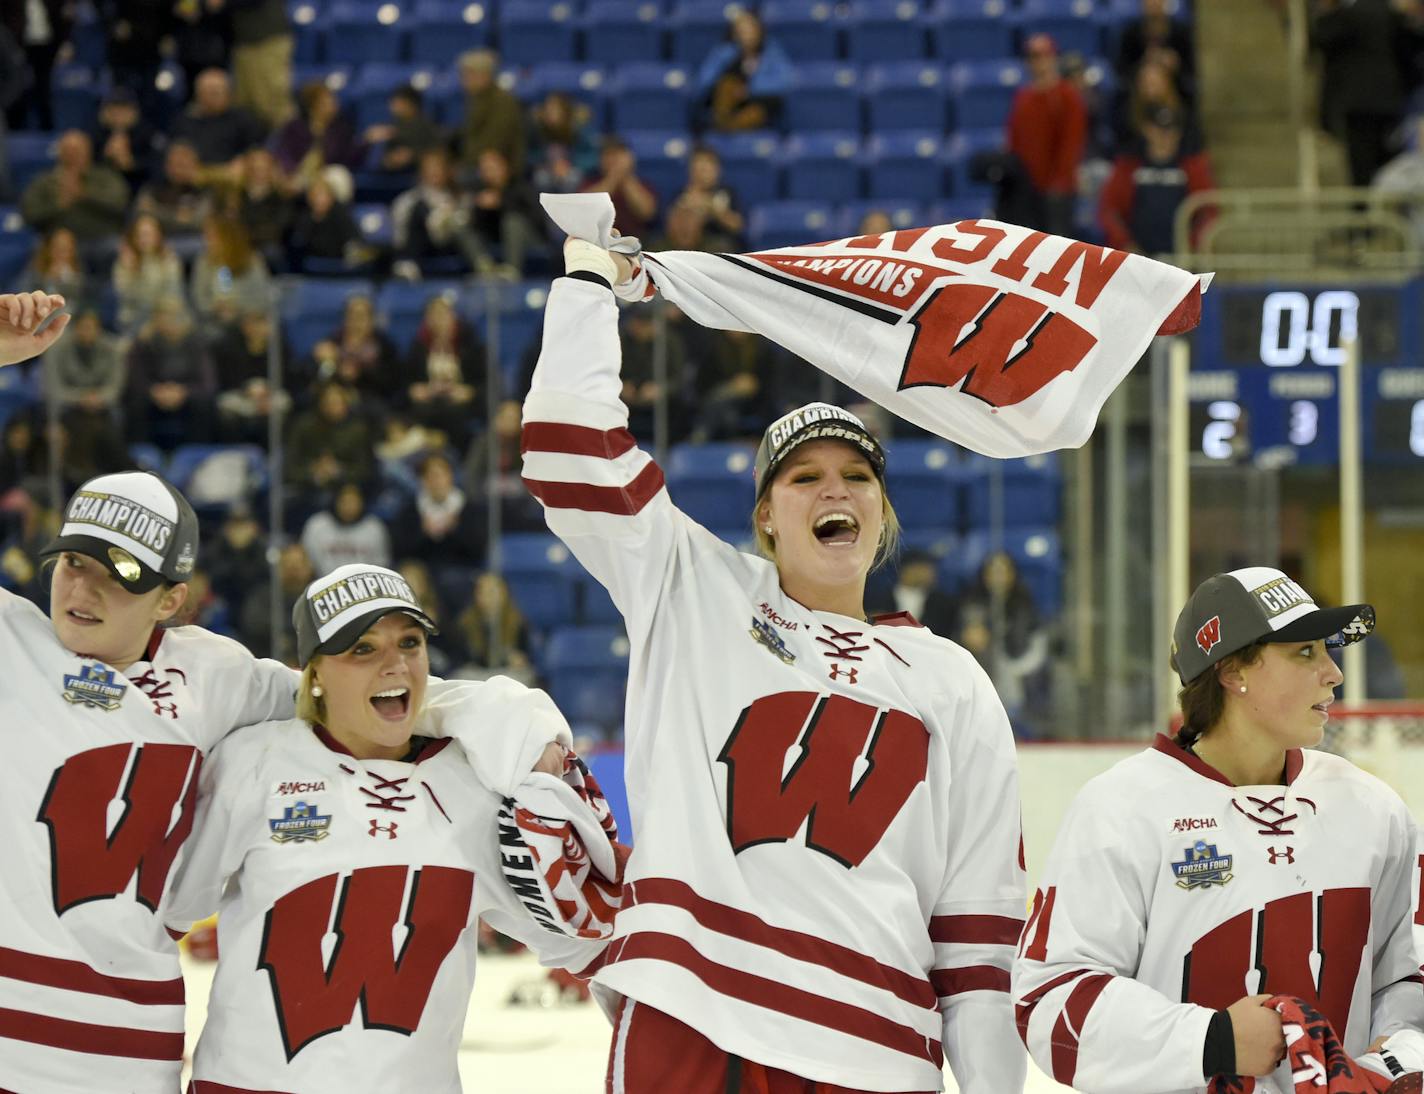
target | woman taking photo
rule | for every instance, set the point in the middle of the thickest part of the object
(827, 883)
(346, 824)
(1223, 866)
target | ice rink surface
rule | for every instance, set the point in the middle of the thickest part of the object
(561, 1049)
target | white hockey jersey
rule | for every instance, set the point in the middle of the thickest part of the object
(97, 795)
(1170, 894)
(827, 875)
(348, 928)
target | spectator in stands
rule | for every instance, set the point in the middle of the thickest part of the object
(360, 355)
(685, 229)
(1363, 84)
(229, 275)
(329, 443)
(494, 631)
(126, 142)
(1047, 132)
(86, 197)
(218, 131)
(1152, 90)
(733, 370)
(146, 271)
(202, 37)
(346, 533)
(635, 203)
(999, 624)
(324, 229)
(245, 398)
(562, 149)
(135, 30)
(1155, 36)
(503, 215)
(256, 626)
(263, 205)
(496, 462)
(743, 80)
(441, 526)
(262, 58)
(24, 455)
(440, 647)
(409, 134)
(1139, 202)
(14, 79)
(642, 388)
(237, 561)
(56, 267)
(85, 371)
(322, 134)
(493, 116)
(423, 218)
(1404, 175)
(916, 590)
(443, 367)
(42, 27)
(714, 199)
(171, 383)
(177, 198)
(35, 526)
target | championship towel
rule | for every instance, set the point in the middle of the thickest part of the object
(1004, 340)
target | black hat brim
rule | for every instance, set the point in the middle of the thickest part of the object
(346, 637)
(1329, 623)
(98, 549)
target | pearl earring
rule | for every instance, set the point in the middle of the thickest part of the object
(766, 528)
(317, 691)
(1243, 689)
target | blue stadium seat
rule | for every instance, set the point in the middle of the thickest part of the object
(922, 477)
(964, 208)
(885, 30)
(400, 307)
(908, 165)
(749, 164)
(1032, 490)
(912, 95)
(74, 91)
(695, 27)
(585, 83)
(1074, 25)
(1038, 553)
(309, 47)
(335, 76)
(542, 576)
(712, 483)
(971, 30)
(587, 670)
(214, 476)
(809, 30)
(147, 457)
(517, 319)
(822, 167)
(311, 308)
(595, 605)
(358, 31)
(17, 242)
(903, 213)
(441, 30)
(959, 157)
(445, 99)
(90, 38)
(14, 400)
(375, 223)
(369, 92)
(984, 92)
(532, 32)
(823, 95)
(662, 160)
(646, 95)
(789, 223)
(616, 30)
(31, 155)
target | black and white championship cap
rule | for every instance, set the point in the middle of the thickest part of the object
(339, 608)
(813, 422)
(1232, 610)
(137, 525)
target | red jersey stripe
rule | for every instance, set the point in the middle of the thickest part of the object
(54, 972)
(1069, 1027)
(736, 923)
(949, 982)
(983, 930)
(782, 998)
(575, 440)
(1024, 1011)
(136, 1044)
(202, 1086)
(625, 500)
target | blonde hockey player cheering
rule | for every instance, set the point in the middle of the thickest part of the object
(1190, 884)
(826, 883)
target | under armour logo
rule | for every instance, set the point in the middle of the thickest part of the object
(1288, 854)
(837, 672)
(377, 826)
(170, 709)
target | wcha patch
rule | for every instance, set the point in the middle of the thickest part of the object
(764, 633)
(1202, 867)
(94, 687)
(300, 823)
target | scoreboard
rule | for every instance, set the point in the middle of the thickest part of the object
(1265, 369)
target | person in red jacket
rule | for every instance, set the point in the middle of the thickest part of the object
(1139, 202)
(1048, 129)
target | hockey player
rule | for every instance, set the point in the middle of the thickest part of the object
(827, 883)
(357, 859)
(1229, 864)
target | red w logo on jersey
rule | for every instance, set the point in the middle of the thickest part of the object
(116, 811)
(1209, 634)
(315, 996)
(848, 777)
(1335, 923)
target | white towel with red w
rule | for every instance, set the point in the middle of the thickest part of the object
(1004, 340)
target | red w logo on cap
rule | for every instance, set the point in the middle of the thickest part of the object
(1209, 634)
